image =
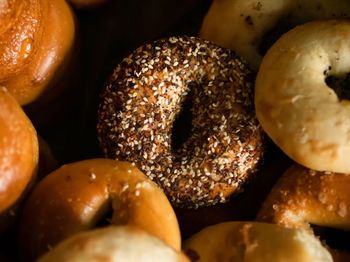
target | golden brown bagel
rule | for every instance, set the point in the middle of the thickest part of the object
(36, 37)
(47, 163)
(255, 242)
(18, 151)
(241, 24)
(122, 243)
(302, 197)
(77, 196)
(294, 105)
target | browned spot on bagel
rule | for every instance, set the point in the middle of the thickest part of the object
(320, 147)
(249, 21)
(339, 123)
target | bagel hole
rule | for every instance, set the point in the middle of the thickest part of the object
(333, 238)
(340, 85)
(182, 125)
(270, 37)
(105, 217)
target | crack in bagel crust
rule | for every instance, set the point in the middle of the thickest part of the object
(142, 99)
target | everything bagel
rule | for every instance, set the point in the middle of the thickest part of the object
(145, 94)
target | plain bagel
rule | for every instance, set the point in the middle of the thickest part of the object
(241, 24)
(255, 242)
(78, 196)
(36, 41)
(19, 153)
(122, 243)
(294, 105)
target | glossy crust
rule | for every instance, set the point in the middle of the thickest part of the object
(255, 242)
(47, 163)
(36, 37)
(122, 243)
(241, 24)
(302, 197)
(80, 195)
(18, 151)
(294, 105)
(145, 95)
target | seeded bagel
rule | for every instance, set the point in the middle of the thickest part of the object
(146, 93)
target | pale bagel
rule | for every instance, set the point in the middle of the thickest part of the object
(123, 243)
(255, 242)
(294, 105)
(241, 24)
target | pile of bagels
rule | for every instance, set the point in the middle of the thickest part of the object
(238, 93)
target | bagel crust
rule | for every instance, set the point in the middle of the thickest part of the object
(294, 105)
(145, 94)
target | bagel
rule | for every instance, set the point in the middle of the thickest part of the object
(18, 152)
(241, 24)
(122, 243)
(146, 93)
(78, 196)
(302, 197)
(254, 242)
(36, 38)
(46, 164)
(294, 105)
